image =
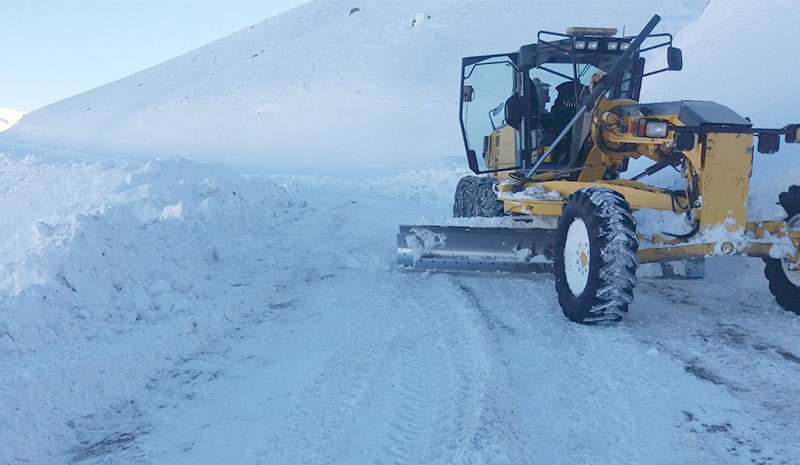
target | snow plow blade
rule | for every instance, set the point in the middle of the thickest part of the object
(460, 248)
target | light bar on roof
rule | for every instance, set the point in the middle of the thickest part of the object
(592, 31)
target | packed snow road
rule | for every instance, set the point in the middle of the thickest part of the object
(315, 349)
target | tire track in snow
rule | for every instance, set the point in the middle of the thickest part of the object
(731, 339)
(326, 408)
(571, 364)
(421, 414)
(606, 348)
(620, 401)
(496, 434)
(438, 386)
(427, 390)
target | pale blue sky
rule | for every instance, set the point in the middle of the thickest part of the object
(53, 49)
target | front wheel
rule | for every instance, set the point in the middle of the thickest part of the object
(784, 280)
(475, 196)
(784, 283)
(595, 259)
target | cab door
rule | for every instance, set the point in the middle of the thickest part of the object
(488, 88)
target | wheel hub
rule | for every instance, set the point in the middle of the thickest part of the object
(577, 257)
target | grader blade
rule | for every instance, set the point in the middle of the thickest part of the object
(459, 248)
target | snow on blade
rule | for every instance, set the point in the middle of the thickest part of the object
(422, 241)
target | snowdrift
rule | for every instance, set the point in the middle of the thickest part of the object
(99, 247)
(319, 89)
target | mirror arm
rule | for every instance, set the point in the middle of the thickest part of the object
(655, 72)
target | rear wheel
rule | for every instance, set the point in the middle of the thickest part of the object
(595, 259)
(784, 282)
(475, 196)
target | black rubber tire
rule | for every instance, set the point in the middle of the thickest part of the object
(612, 256)
(786, 293)
(475, 197)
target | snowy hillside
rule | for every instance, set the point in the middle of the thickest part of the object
(320, 90)
(9, 117)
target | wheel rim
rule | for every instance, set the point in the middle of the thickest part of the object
(577, 257)
(792, 275)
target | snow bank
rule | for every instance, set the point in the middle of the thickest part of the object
(98, 247)
(320, 90)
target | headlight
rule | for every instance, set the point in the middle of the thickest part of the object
(613, 45)
(580, 44)
(593, 45)
(793, 133)
(651, 128)
(656, 129)
(624, 45)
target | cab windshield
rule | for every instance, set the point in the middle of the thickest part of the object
(553, 75)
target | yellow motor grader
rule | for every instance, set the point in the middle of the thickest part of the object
(557, 123)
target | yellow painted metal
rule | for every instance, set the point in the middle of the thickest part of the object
(758, 242)
(614, 132)
(773, 228)
(755, 231)
(533, 207)
(675, 252)
(598, 166)
(501, 151)
(724, 181)
(721, 163)
(638, 196)
(647, 146)
(692, 251)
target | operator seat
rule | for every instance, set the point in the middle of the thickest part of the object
(565, 101)
(562, 112)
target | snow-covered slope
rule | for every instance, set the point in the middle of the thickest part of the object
(318, 89)
(9, 117)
